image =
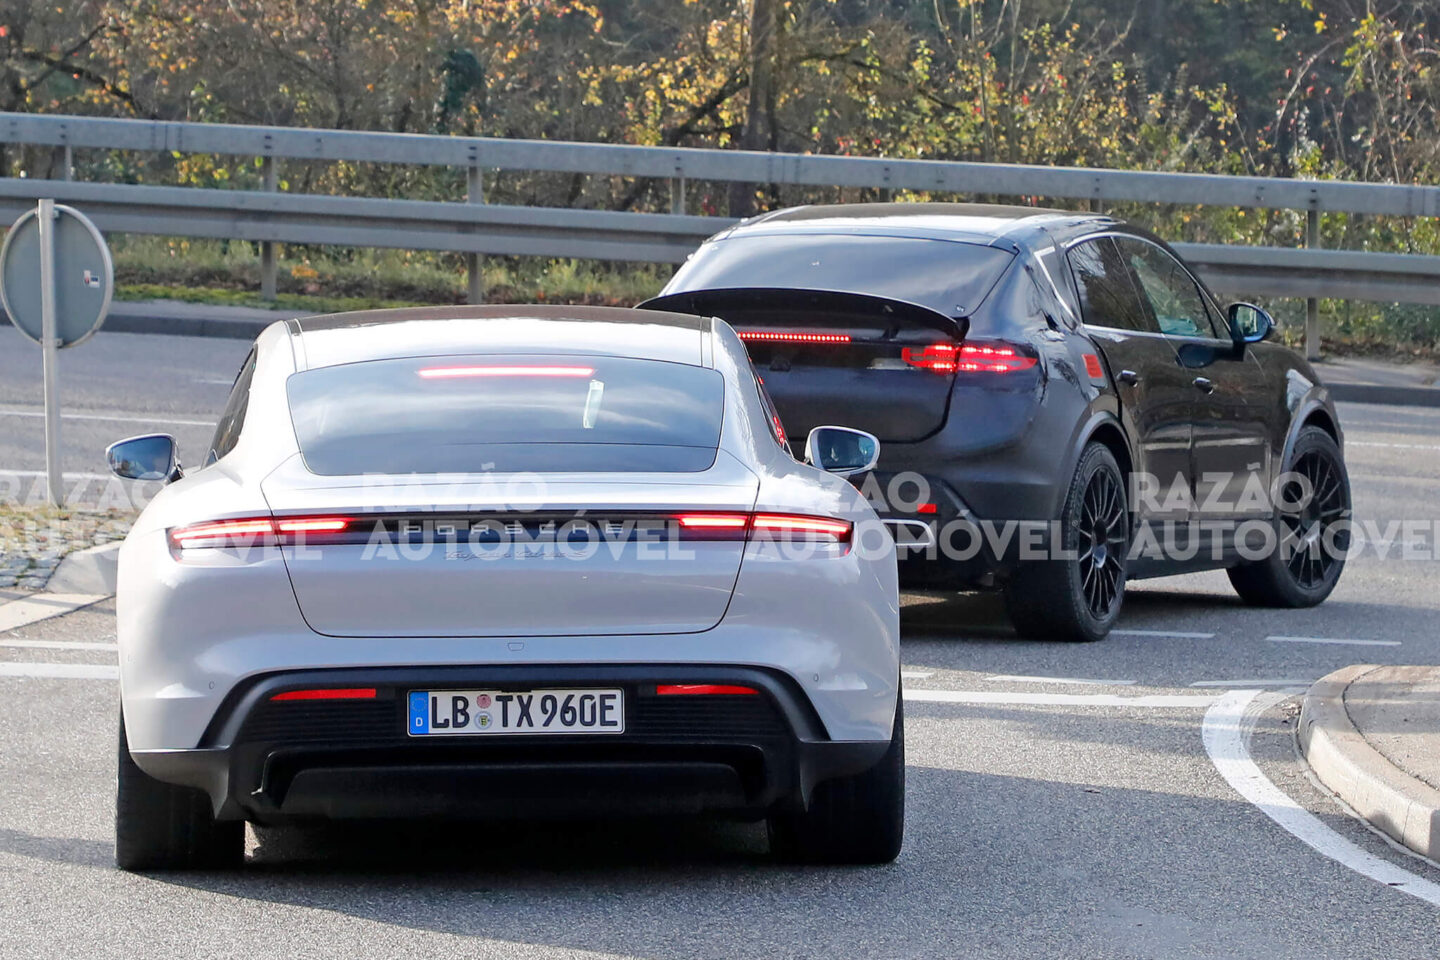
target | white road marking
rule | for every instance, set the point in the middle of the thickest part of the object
(1058, 699)
(1010, 678)
(1180, 634)
(57, 645)
(61, 671)
(1226, 732)
(916, 674)
(1257, 684)
(1396, 446)
(130, 418)
(42, 606)
(67, 475)
(1336, 641)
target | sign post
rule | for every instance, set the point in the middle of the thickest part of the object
(56, 279)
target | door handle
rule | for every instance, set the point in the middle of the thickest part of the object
(1128, 377)
(1204, 384)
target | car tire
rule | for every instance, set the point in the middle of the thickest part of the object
(1303, 569)
(858, 819)
(160, 826)
(1077, 596)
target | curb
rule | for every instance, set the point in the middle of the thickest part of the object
(1386, 395)
(89, 571)
(1404, 807)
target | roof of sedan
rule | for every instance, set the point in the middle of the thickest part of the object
(973, 222)
(337, 338)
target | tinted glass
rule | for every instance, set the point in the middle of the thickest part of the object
(507, 413)
(1107, 296)
(949, 277)
(232, 419)
(1170, 292)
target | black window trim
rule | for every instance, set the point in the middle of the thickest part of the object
(1209, 300)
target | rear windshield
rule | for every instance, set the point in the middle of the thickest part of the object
(507, 413)
(947, 276)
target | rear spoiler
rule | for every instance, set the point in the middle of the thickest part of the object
(757, 306)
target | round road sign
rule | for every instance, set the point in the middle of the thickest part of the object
(84, 276)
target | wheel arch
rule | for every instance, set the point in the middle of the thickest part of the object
(1101, 427)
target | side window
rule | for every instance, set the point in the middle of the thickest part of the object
(777, 429)
(1169, 291)
(1107, 296)
(232, 419)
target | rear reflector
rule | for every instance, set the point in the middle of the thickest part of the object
(927, 508)
(769, 336)
(446, 373)
(345, 693)
(1092, 366)
(703, 690)
(968, 358)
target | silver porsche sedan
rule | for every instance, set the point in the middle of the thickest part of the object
(476, 562)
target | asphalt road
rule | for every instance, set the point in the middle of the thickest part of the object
(1139, 797)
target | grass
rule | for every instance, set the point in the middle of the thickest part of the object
(225, 272)
(313, 280)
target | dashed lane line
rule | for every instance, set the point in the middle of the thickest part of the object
(1266, 683)
(1012, 698)
(61, 671)
(1336, 641)
(1174, 634)
(1012, 678)
(57, 645)
(129, 418)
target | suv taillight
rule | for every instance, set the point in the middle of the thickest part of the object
(977, 356)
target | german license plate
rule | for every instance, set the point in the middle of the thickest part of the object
(449, 712)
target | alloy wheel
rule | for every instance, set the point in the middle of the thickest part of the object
(1104, 535)
(1313, 499)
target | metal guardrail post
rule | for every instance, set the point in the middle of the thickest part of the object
(67, 163)
(474, 274)
(677, 195)
(1312, 305)
(269, 286)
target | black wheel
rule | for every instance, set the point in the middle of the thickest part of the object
(159, 826)
(1077, 596)
(858, 819)
(1312, 527)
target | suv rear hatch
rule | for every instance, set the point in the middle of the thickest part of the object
(867, 331)
(875, 364)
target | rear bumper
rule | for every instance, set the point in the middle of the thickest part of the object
(270, 761)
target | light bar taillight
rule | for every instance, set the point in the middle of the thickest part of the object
(704, 690)
(252, 531)
(328, 693)
(773, 526)
(450, 373)
(968, 358)
(820, 527)
(778, 336)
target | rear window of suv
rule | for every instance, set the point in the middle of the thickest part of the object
(474, 414)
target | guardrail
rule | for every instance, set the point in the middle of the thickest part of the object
(477, 228)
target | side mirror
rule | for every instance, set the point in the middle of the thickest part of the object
(841, 450)
(152, 456)
(1249, 323)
